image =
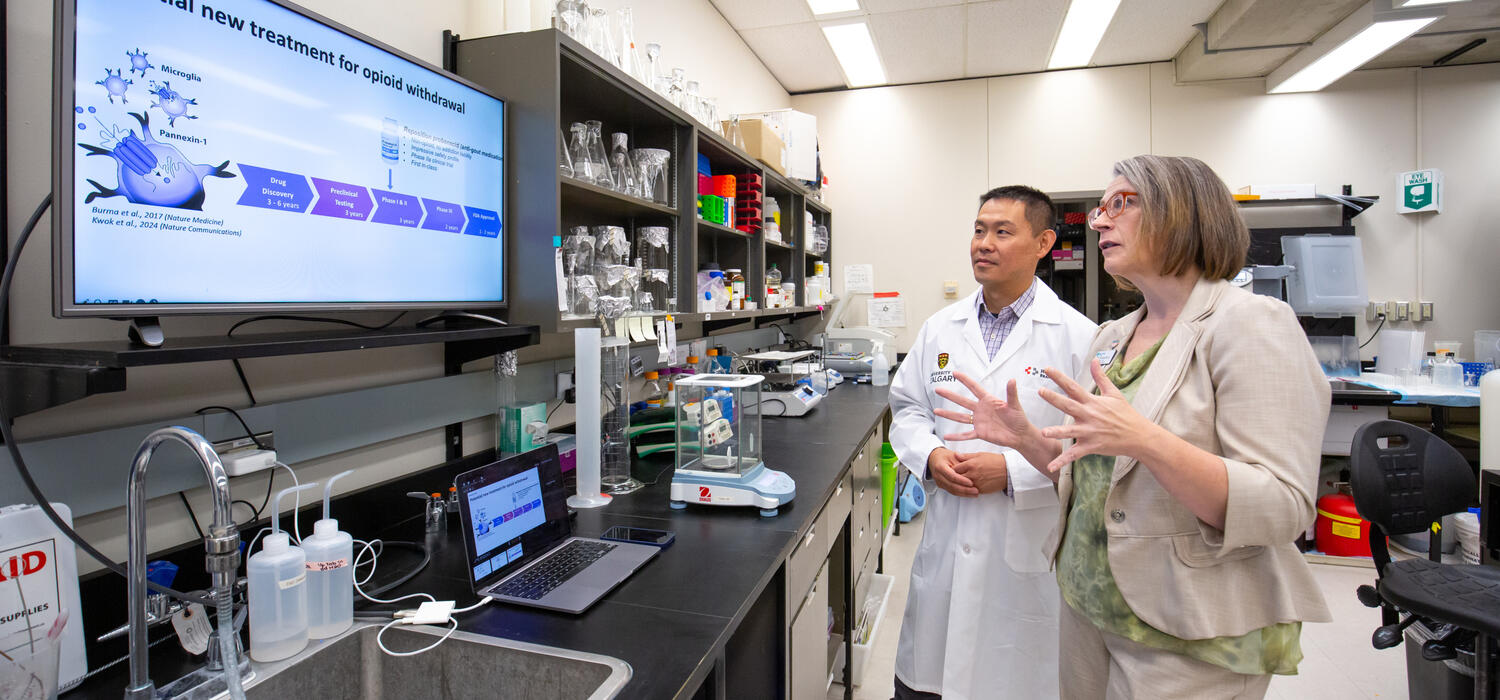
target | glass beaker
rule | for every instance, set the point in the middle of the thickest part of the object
(652, 164)
(597, 154)
(564, 161)
(611, 247)
(711, 113)
(652, 249)
(29, 664)
(570, 16)
(626, 178)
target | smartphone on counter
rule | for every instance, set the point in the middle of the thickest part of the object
(639, 535)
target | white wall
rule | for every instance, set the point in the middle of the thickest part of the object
(1061, 132)
(693, 35)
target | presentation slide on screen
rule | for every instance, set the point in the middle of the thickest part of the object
(236, 151)
(502, 511)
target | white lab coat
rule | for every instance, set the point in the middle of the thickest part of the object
(982, 613)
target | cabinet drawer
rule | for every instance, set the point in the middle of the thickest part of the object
(839, 506)
(805, 560)
(808, 643)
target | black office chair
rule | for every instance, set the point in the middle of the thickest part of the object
(1404, 487)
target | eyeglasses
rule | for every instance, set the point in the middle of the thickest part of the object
(1115, 204)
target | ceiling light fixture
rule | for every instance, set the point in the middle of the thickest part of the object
(828, 7)
(1362, 36)
(1081, 31)
(855, 50)
(1420, 3)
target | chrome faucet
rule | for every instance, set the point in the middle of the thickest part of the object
(222, 544)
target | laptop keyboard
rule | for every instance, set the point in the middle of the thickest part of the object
(553, 570)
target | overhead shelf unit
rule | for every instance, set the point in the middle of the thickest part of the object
(549, 81)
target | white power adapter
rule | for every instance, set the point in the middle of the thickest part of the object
(241, 462)
(436, 612)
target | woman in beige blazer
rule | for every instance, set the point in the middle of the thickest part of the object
(1189, 463)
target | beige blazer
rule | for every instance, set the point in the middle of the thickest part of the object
(1236, 377)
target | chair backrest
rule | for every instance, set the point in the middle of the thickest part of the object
(1410, 483)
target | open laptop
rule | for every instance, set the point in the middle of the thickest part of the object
(518, 537)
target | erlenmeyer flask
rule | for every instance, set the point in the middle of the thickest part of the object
(627, 179)
(654, 78)
(630, 56)
(597, 156)
(599, 36)
(578, 147)
(692, 103)
(564, 161)
(570, 17)
(677, 89)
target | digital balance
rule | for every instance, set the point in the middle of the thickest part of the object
(719, 446)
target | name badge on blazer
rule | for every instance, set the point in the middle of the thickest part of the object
(1107, 356)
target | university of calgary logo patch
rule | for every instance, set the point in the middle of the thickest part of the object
(942, 360)
(1036, 372)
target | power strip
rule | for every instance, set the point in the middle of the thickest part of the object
(242, 462)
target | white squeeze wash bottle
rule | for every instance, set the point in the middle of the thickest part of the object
(278, 592)
(330, 572)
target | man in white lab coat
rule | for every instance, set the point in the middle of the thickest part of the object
(982, 615)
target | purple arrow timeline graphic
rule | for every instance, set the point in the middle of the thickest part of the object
(482, 222)
(396, 209)
(342, 200)
(443, 216)
(267, 188)
(274, 189)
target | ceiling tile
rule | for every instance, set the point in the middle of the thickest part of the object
(798, 55)
(880, 6)
(1150, 30)
(763, 13)
(1010, 36)
(920, 45)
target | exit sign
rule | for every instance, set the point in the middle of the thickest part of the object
(1421, 190)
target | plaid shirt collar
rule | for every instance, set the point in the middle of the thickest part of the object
(1016, 308)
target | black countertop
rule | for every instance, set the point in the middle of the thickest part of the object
(671, 620)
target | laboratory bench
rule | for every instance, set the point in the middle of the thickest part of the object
(711, 616)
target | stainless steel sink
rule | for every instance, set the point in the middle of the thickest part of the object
(352, 667)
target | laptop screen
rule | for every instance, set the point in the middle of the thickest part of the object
(513, 510)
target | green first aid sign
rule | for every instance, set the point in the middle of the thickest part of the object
(1420, 190)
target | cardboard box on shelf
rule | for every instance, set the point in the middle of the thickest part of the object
(799, 131)
(762, 143)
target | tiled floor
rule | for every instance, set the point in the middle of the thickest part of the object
(1339, 662)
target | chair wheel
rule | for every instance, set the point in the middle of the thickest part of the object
(1386, 637)
(1368, 596)
(1434, 650)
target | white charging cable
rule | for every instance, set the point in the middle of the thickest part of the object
(430, 613)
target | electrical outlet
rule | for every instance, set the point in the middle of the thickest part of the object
(1424, 312)
(1403, 310)
(564, 383)
(1375, 311)
(1390, 311)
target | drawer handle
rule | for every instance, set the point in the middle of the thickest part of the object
(840, 490)
(808, 540)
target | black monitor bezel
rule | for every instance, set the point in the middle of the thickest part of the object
(64, 303)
